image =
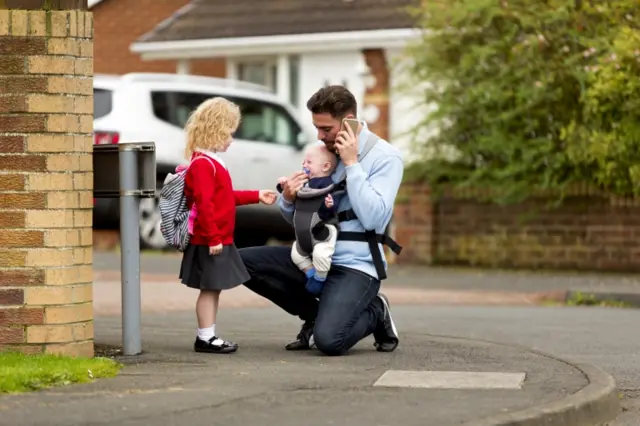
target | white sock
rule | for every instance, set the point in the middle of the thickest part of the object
(207, 333)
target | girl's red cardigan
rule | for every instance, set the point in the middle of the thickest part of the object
(215, 201)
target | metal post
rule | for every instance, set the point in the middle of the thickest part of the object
(130, 251)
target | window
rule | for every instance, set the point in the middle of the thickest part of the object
(176, 107)
(264, 122)
(261, 121)
(102, 102)
(263, 73)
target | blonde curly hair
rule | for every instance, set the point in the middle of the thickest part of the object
(211, 125)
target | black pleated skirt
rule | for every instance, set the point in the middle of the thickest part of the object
(203, 271)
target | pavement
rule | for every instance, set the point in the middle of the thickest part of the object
(264, 384)
(408, 285)
(476, 349)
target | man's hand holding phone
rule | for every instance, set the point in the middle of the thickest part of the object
(347, 145)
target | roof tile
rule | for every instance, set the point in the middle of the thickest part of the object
(208, 19)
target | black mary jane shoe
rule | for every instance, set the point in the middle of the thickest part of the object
(214, 348)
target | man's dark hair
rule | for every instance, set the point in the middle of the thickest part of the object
(335, 100)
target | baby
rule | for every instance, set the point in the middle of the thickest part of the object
(318, 164)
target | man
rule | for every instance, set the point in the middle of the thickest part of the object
(350, 306)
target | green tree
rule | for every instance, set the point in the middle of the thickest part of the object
(514, 92)
(609, 139)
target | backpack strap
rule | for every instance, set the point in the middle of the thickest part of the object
(206, 157)
(193, 213)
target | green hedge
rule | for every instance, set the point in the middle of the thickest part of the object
(530, 95)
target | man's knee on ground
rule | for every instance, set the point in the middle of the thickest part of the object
(328, 341)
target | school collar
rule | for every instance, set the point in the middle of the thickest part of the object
(213, 155)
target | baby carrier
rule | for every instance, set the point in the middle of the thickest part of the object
(310, 228)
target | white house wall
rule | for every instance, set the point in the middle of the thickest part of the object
(403, 111)
(318, 69)
(407, 109)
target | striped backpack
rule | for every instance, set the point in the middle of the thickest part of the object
(177, 220)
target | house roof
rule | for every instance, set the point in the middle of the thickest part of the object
(218, 19)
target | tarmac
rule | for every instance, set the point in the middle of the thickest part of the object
(440, 380)
(169, 384)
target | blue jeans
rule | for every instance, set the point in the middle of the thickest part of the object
(346, 311)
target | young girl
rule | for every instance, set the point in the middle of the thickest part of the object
(211, 262)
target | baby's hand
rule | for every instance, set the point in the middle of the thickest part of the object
(328, 201)
(282, 180)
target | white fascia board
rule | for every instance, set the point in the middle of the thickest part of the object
(278, 44)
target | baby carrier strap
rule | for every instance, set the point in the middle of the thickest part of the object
(368, 236)
(306, 218)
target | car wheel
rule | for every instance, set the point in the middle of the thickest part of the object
(150, 220)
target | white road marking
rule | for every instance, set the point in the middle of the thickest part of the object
(450, 380)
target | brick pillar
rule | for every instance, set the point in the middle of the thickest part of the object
(46, 176)
(377, 96)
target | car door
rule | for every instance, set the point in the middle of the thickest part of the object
(269, 139)
(178, 106)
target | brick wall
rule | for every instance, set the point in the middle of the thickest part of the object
(46, 181)
(586, 233)
(118, 23)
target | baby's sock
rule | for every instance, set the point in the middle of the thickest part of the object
(310, 272)
(207, 333)
(314, 284)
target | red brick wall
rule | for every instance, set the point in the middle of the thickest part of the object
(118, 23)
(586, 233)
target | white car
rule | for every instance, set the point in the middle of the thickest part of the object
(141, 107)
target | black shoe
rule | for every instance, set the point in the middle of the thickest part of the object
(220, 347)
(305, 338)
(386, 334)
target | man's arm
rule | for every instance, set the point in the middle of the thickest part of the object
(286, 208)
(372, 199)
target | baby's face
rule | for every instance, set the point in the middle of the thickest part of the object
(317, 162)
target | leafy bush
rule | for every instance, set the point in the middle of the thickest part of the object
(609, 138)
(526, 95)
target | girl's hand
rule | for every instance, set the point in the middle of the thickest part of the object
(267, 196)
(328, 201)
(215, 250)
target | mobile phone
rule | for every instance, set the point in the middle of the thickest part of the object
(351, 122)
